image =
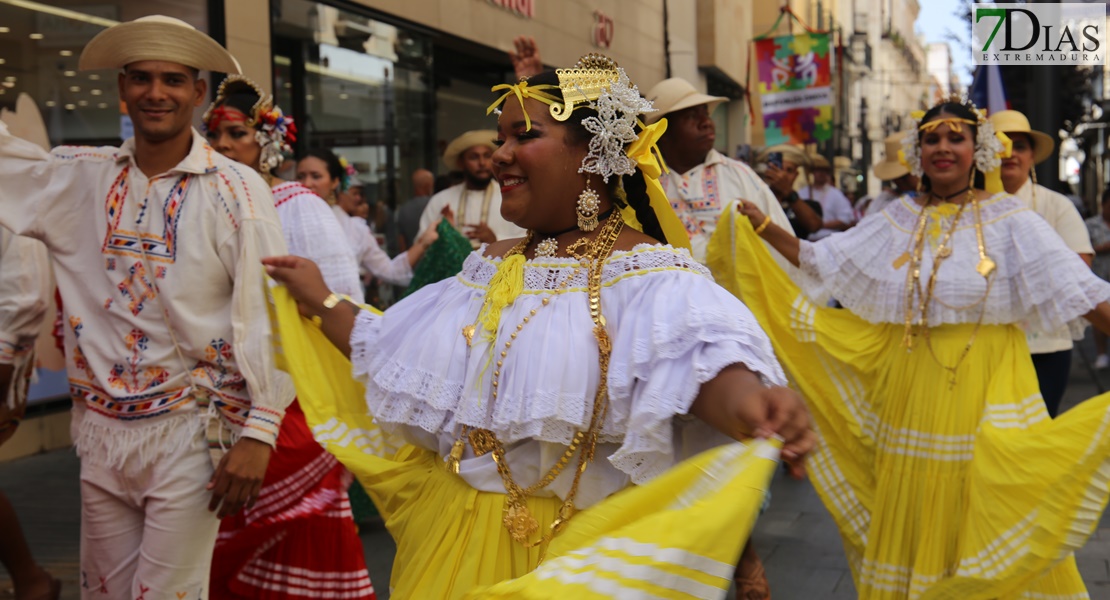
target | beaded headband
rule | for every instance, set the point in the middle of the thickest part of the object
(274, 131)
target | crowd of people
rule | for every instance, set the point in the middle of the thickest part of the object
(608, 328)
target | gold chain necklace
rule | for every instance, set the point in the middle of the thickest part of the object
(917, 313)
(517, 518)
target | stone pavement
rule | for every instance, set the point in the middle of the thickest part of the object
(796, 537)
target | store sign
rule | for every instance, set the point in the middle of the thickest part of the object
(523, 8)
(603, 30)
(795, 89)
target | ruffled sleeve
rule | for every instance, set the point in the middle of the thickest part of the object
(844, 265)
(1046, 281)
(676, 331)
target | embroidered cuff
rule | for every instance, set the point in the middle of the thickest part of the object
(263, 424)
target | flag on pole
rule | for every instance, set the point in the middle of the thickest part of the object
(986, 89)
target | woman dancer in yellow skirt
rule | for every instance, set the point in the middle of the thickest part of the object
(937, 458)
(545, 393)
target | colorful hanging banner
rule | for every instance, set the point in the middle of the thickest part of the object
(795, 88)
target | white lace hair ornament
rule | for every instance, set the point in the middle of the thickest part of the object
(990, 146)
(598, 83)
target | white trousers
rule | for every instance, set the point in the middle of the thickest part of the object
(146, 532)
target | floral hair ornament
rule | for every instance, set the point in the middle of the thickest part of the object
(349, 174)
(615, 149)
(990, 146)
(274, 131)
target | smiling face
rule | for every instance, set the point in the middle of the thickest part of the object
(1015, 169)
(538, 169)
(229, 135)
(313, 174)
(160, 98)
(947, 155)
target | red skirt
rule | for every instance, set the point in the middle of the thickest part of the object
(299, 540)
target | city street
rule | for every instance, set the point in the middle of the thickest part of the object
(796, 537)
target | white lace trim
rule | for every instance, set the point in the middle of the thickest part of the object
(672, 330)
(549, 274)
(1038, 280)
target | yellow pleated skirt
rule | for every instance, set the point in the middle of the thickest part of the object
(943, 486)
(677, 537)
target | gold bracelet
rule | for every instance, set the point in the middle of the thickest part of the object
(763, 225)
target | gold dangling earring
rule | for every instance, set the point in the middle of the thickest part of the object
(588, 207)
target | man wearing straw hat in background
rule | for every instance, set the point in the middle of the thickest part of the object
(156, 247)
(891, 171)
(1051, 353)
(836, 209)
(701, 183)
(474, 204)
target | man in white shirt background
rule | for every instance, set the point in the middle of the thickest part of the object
(892, 173)
(836, 209)
(475, 204)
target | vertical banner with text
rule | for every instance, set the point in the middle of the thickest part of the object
(795, 88)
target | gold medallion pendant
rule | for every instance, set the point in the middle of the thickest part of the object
(519, 520)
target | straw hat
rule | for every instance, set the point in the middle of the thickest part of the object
(466, 141)
(889, 168)
(789, 152)
(26, 122)
(156, 37)
(1012, 121)
(674, 94)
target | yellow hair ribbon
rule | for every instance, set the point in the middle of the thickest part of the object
(953, 122)
(645, 151)
(992, 180)
(522, 90)
(917, 115)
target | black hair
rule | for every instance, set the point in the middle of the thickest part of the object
(1106, 195)
(335, 169)
(959, 110)
(634, 185)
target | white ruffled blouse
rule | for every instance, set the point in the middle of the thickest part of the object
(1038, 281)
(672, 329)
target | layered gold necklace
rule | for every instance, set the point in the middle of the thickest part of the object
(918, 297)
(517, 517)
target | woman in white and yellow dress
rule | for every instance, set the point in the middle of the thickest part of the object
(938, 460)
(554, 372)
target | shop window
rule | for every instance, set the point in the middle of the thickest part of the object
(359, 87)
(39, 47)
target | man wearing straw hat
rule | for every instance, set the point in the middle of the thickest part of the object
(701, 182)
(474, 204)
(836, 209)
(156, 247)
(1051, 353)
(891, 170)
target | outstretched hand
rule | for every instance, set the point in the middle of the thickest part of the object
(750, 210)
(303, 280)
(526, 57)
(738, 404)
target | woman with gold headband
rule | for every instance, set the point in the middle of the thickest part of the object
(558, 382)
(298, 540)
(938, 460)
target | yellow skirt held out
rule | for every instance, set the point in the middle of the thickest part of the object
(660, 540)
(939, 490)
